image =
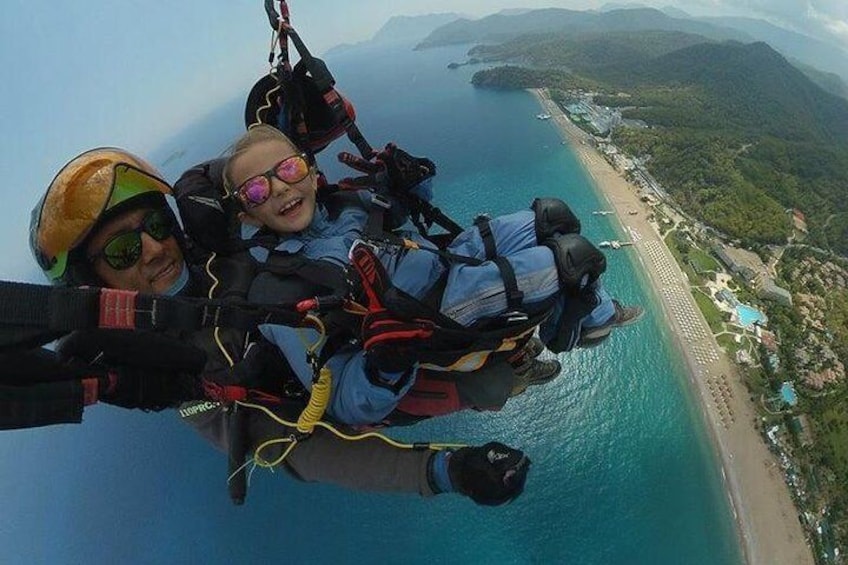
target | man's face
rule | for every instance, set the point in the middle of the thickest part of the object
(159, 265)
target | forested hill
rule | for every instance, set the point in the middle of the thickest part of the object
(738, 134)
(752, 87)
(809, 54)
(808, 50)
(744, 86)
(588, 53)
(501, 27)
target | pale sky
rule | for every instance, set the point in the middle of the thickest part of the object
(132, 73)
(826, 20)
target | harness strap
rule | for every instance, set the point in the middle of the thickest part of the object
(432, 215)
(325, 82)
(514, 297)
(485, 229)
(376, 213)
(236, 454)
(31, 312)
(320, 273)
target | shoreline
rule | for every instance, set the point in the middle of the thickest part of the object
(766, 519)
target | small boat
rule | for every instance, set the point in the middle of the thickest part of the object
(601, 212)
(543, 116)
(614, 244)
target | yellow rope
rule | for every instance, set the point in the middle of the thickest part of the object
(336, 432)
(261, 462)
(216, 332)
(319, 398)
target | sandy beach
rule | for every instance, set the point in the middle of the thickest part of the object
(766, 518)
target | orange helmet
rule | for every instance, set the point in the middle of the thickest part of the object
(88, 190)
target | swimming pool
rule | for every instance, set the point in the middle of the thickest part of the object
(787, 393)
(748, 315)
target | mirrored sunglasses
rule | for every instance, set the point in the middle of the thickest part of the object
(123, 250)
(255, 191)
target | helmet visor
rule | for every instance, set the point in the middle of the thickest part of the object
(81, 193)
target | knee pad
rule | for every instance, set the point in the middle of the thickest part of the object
(579, 263)
(553, 216)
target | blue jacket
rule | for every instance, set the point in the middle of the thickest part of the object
(472, 292)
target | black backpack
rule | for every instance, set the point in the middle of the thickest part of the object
(210, 218)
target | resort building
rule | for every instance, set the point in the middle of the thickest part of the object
(770, 291)
(742, 262)
(600, 118)
(725, 295)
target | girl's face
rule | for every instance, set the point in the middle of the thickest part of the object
(290, 206)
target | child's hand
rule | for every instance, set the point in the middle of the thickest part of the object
(404, 171)
(392, 170)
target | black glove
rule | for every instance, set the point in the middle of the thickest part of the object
(145, 350)
(392, 169)
(404, 171)
(131, 387)
(143, 370)
(490, 475)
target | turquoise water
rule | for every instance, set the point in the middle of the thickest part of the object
(748, 316)
(787, 393)
(623, 472)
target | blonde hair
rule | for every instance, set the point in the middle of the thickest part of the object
(259, 133)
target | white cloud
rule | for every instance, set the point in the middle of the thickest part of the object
(826, 20)
(836, 24)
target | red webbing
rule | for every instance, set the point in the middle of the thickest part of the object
(117, 308)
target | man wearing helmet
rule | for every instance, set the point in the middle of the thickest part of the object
(104, 221)
(95, 190)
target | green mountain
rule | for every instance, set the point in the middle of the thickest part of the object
(499, 28)
(508, 25)
(586, 53)
(804, 48)
(829, 82)
(745, 87)
(737, 133)
(752, 86)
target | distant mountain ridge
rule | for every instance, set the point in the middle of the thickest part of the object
(795, 46)
(402, 29)
(751, 86)
(804, 48)
(499, 28)
(755, 86)
(411, 28)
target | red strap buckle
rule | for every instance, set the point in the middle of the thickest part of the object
(117, 308)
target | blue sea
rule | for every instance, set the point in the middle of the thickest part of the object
(623, 470)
